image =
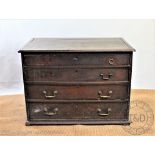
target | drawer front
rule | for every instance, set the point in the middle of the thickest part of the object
(70, 59)
(77, 74)
(78, 111)
(73, 92)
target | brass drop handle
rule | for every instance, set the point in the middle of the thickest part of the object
(105, 96)
(106, 78)
(50, 96)
(100, 113)
(52, 113)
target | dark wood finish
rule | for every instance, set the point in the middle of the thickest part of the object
(71, 59)
(75, 75)
(46, 111)
(77, 81)
(78, 121)
(91, 92)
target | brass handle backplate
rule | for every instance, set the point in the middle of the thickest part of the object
(105, 96)
(111, 61)
(106, 77)
(75, 58)
(50, 96)
(50, 113)
(100, 113)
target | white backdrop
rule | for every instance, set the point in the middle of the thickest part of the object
(139, 33)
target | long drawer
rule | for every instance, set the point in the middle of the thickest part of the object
(77, 92)
(106, 111)
(76, 74)
(74, 59)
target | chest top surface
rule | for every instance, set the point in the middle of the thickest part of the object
(77, 45)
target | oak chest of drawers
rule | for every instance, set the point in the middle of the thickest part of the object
(77, 81)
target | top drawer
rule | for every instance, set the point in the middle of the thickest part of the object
(75, 59)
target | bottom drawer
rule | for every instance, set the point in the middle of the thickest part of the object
(61, 111)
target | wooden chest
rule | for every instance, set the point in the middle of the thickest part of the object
(77, 81)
